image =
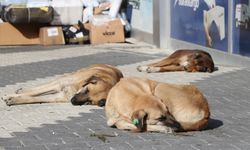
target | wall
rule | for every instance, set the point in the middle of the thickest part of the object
(142, 20)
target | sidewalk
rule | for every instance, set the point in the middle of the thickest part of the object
(67, 127)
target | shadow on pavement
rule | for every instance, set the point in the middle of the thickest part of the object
(89, 131)
(213, 124)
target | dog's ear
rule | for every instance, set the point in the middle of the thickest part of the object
(139, 118)
(92, 80)
(197, 55)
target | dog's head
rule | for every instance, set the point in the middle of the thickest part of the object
(93, 92)
(160, 116)
(202, 62)
(205, 63)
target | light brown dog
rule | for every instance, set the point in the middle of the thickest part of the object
(182, 60)
(140, 104)
(86, 86)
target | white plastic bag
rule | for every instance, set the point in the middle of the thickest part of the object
(67, 12)
(90, 3)
(38, 3)
(8, 2)
(115, 6)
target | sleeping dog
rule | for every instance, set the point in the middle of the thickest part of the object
(88, 85)
(140, 104)
(182, 60)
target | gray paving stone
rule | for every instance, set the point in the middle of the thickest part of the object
(18, 49)
(39, 147)
(10, 142)
(23, 72)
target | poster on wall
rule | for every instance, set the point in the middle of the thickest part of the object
(241, 27)
(202, 22)
(142, 15)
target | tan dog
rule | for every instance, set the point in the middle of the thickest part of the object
(140, 104)
(182, 60)
(86, 86)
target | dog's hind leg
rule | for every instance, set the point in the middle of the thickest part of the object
(163, 62)
(49, 88)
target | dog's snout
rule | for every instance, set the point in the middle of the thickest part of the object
(80, 100)
(74, 101)
(102, 102)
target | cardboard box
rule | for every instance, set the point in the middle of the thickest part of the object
(19, 34)
(51, 36)
(108, 32)
(87, 26)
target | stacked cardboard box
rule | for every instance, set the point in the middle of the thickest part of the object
(26, 34)
(107, 32)
(100, 29)
(19, 34)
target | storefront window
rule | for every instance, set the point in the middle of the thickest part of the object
(241, 27)
(203, 22)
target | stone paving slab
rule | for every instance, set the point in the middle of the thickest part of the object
(67, 127)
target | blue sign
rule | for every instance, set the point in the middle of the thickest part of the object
(241, 27)
(202, 22)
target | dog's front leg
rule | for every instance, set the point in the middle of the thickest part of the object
(169, 68)
(48, 88)
(159, 128)
(124, 125)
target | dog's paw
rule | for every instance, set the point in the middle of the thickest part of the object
(9, 100)
(141, 68)
(153, 69)
(18, 91)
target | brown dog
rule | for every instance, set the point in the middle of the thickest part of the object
(86, 86)
(140, 104)
(182, 60)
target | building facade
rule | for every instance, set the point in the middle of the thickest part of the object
(221, 27)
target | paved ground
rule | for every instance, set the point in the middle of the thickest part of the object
(66, 127)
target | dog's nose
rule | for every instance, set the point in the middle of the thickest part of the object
(74, 101)
(102, 102)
